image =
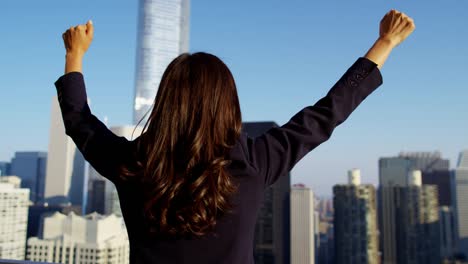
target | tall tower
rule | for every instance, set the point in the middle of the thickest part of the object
(355, 222)
(65, 172)
(163, 34)
(302, 225)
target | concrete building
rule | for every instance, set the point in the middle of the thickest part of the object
(302, 225)
(163, 34)
(30, 166)
(273, 229)
(65, 175)
(38, 211)
(93, 239)
(355, 221)
(14, 203)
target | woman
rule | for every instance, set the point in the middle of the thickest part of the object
(191, 184)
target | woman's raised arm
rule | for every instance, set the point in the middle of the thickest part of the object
(275, 152)
(104, 150)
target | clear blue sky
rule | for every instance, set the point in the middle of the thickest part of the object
(284, 55)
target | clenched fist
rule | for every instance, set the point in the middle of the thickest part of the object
(396, 27)
(77, 39)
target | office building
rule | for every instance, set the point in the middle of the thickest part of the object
(30, 166)
(92, 239)
(14, 203)
(416, 216)
(38, 211)
(302, 225)
(65, 175)
(163, 34)
(448, 236)
(4, 168)
(355, 221)
(393, 172)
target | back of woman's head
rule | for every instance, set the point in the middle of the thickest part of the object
(196, 119)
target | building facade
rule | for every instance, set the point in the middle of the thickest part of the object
(163, 34)
(14, 202)
(302, 225)
(92, 239)
(65, 174)
(4, 168)
(417, 222)
(393, 173)
(31, 168)
(355, 221)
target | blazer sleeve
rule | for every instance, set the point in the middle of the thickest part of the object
(104, 150)
(275, 152)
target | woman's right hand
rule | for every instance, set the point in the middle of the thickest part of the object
(396, 27)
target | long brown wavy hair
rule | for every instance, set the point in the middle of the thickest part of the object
(195, 121)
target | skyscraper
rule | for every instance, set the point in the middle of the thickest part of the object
(393, 172)
(417, 228)
(14, 203)
(31, 168)
(355, 221)
(302, 225)
(163, 34)
(272, 230)
(461, 185)
(65, 174)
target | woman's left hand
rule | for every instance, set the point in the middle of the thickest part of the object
(78, 39)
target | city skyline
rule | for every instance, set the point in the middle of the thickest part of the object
(420, 114)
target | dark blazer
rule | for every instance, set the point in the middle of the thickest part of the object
(257, 163)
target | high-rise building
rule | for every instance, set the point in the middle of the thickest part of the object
(393, 172)
(461, 199)
(97, 197)
(65, 174)
(302, 225)
(93, 239)
(272, 230)
(416, 216)
(355, 221)
(163, 34)
(448, 234)
(4, 168)
(31, 168)
(14, 203)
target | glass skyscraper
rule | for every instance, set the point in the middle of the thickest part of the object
(163, 34)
